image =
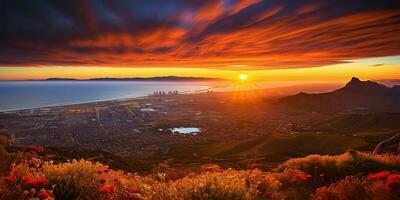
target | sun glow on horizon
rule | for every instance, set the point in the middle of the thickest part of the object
(372, 68)
(243, 77)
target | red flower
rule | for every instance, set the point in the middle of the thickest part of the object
(379, 175)
(44, 194)
(27, 180)
(38, 149)
(15, 172)
(255, 166)
(103, 180)
(210, 168)
(106, 189)
(33, 182)
(134, 190)
(321, 175)
(42, 181)
(117, 179)
(33, 154)
(10, 179)
(99, 171)
(393, 182)
(300, 177)
(106, 170)
(268, 194)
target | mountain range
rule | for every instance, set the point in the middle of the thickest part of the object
(356, 95)
(158, 78)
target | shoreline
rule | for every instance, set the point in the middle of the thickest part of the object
(97, 101)
(69, 104)
(214, 88)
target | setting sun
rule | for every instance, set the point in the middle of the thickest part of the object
(243, 77)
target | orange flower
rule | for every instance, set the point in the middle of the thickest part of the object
(379, 175)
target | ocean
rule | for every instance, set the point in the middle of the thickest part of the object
(18, 95)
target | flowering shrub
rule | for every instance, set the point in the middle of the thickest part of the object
(393, 183)
(301, 177)
(37, 149)
(210, 168)
(379, 175)
(316, 177)
(226, 184)
(338, 166)
(355, 188)
(20, 186)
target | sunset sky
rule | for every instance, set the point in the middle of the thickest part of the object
(268, 40)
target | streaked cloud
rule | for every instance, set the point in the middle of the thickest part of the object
(220, 34)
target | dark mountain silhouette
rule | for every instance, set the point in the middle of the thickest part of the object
(160, 78)
(357, 95)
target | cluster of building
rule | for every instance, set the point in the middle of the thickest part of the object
(161, 93)
(138, 126)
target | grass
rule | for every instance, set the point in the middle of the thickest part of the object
(271, 148)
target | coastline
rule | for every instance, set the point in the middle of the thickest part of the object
(69, 104)
(53, 106)
(214, 88)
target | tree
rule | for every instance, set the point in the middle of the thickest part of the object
(385, 143)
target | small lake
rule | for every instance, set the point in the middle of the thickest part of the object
(186, 130)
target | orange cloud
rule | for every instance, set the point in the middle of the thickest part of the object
(206, 34)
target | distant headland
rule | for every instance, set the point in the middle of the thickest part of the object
(158, 78)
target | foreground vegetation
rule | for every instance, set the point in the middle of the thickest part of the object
(352, 175)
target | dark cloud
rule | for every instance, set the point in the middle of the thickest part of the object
(201, 33)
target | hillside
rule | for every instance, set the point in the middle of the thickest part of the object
(357, 95)
(359, 122)
(351, 175)
(276, 147)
